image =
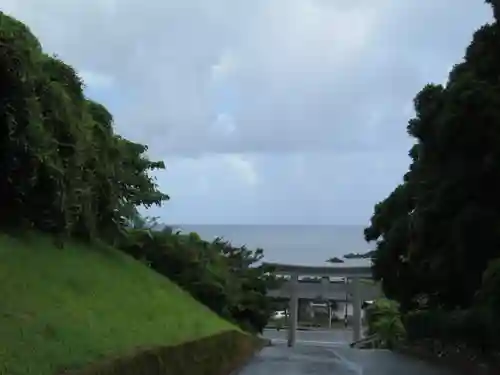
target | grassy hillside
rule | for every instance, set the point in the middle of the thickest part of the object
(63, 308)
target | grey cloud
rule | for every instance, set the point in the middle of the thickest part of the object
(309, 74)
(313, 94)
(308, 188)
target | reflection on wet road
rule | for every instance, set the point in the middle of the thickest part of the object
(313, 355)
(336, 336)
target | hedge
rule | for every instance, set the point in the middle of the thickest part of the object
(220, 354)
(477, 327)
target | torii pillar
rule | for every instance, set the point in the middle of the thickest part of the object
(356, 309)
(294, 305)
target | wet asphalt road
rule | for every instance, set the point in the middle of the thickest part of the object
(315, 354)
(320, 337)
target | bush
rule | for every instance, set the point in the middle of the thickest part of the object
(221, 354)
(422, 324)
(222, 277)
(489, 293)
(481, 329)
(384, 319)
(476, 327)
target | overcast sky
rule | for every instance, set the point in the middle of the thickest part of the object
(264, 111)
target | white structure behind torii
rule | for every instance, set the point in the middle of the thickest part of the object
(294, 290)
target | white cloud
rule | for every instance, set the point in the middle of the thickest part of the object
(244, 168)
(224, 67)
(224, 125)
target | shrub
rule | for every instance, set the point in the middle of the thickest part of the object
(476, 327)
(481, 329)
(489, 293)
(422, 324)
(384, 319)
(219, 275)
(221, 354)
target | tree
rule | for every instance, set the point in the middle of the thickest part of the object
(64, 170)
(439, 229)
(366, 255)
(390, 227)
(335, 260)
(223, 277)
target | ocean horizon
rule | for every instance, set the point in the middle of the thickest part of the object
(294, 244)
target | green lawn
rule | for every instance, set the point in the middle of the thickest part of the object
(67, 307)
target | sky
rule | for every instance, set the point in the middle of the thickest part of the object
(264, 111)
(310, 245)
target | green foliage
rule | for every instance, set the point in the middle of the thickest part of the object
(384, 320)
(489, 294)
(66, 308)
(477, 327)
(223, 353)
(439, 229)
(367, 255)
(437, 233)
(64, 171)
(426, 324)
(223, 277)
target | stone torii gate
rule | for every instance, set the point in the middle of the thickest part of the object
(294, 290)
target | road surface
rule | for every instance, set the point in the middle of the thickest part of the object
(325, 353)
(314, 336)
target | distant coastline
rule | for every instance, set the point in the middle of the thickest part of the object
(296, 244)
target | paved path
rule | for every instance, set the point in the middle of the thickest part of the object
(316, 357)
(334, 336)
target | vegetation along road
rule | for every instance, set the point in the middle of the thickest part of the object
(90, 286)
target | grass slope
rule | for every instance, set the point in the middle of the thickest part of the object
(64, 308)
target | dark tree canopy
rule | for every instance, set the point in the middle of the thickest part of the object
(438, 230)
(335, 260)
(366, 255)
(64, 170)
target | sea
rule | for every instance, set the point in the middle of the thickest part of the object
(309, 245)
